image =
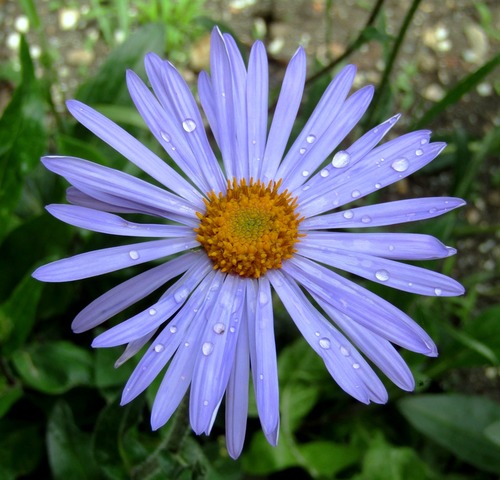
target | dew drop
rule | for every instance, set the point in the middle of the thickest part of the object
(180, 295)
(324, 343)
(186, 344)
(302, 151)
(433, 210)
(438, 291)
(173, 329)
(377, 185)
(207, 348)
(366, 219)
(261, 377)
(205, 403)
(341, 159)
(219, 328)
(152, 311)
(165, 136)
(232, 330)
(400, 165)
(324, 173)
(344, 351)
(423, 141)
(159, 347)
(305, 188)
(134, 255)
(317, 334)
(419, 152)
(382, 275)
(391, 248)
(263, 298)
(348, 214)
(310, 138)
(305, 173)
(355, 366)
(355, 193)
(189, 125)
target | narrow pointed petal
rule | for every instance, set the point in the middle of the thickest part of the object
(159, 312)
(381, 214)
(237, 396)
(408, 278)
(263, 353)
(361, 305)
(132, 348)
(284, 115)
(129, 292)
(397, 246)
(133, 150)
(102, 222)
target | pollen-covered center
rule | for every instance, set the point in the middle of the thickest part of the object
(250, 229)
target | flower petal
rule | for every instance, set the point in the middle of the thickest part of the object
(132, 348)
(133, 150)
(380, 214)
(131, 291)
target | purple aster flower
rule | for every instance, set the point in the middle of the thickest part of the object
(230, 233)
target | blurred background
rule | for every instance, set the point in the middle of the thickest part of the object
(435, 62)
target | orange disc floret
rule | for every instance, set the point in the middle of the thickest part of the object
(250, 229)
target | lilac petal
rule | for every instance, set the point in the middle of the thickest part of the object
(84, 174)
(263, 353)
(408, 278)
(380, 214)
(320, 121)
(350, 113)
(385, 165)
(159, 312)
(132, 348)
(165, 344)
(133, 150)
(166, 130)
(398, 246)
(102, 222)
(205, 93)
(77, 197)
(376, 348)
(361, 305)
(237, 396)
(287, 107)
(107, 260)
(351, 372)
(179, 103)
(223, 101)
(215, 358)
(131, 291)
(256, 107)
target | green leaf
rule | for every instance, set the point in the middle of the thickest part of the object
(108, 85)
(9, 394)
(18, 314)
(23, 139)
(20, 449)
(457, 423)
(69, 448)
(328, 458)
(457, 92)
(54, 367)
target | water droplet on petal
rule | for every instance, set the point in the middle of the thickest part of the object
(261, 377)
(305, 173)
(324, 343)
(344, 351)
(400, 165)
(165, 136)
(186, 344)
(348, 214)
(366, 219)
(324, 173)
(438, 291)
(181, 295)
(205, 403)
(302, 151)
(134, 255)
(423, 141)
(382, 275)
(419, 152)
(306, 187)
(152, 311)
(310, 138)
(355, 366)
(159, 348)
(391, 248)
(355, 193)
(189, 125)
(173, 329)
(219, 328)
(433, 210)
(207, 348)
(317, 334)
(232, 330)
(263, 298)
(341, 159)
(378, 185)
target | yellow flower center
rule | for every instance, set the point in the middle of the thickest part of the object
(250, 229)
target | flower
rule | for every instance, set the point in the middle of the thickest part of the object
(265, 220)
